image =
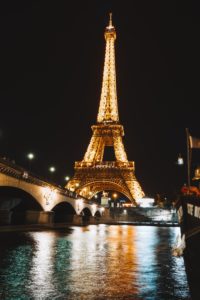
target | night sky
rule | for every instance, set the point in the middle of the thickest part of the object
(51, 64)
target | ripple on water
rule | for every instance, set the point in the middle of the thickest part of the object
(93, 262)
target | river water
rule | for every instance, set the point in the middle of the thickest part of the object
(93, 262)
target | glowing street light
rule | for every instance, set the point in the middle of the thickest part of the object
(52, 169)
(115, 195)
(67, 178)
(180, 160)
(30, 156)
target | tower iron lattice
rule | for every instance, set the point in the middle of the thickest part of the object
(92, 174)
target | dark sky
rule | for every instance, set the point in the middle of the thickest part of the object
(51, 63)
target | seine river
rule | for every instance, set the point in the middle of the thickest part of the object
(93, 262)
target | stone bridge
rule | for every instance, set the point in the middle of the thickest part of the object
(26, 198)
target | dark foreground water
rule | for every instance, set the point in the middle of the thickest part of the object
(93, 262)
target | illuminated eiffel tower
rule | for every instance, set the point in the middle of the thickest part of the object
(92, 174)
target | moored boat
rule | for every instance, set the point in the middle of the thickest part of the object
(188, 210)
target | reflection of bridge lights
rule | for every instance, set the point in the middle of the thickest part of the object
(41, 272)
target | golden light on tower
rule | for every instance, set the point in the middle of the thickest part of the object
(115, 195)
(93, 172)
(108, 109)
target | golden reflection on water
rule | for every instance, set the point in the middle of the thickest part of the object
(108, 251)
(100, 262)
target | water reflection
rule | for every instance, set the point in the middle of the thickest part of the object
(93, 262)
(103, 260)
(41, 272)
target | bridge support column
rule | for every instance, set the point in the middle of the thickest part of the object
(5, 216)
(92, 220)
(39, 217)
(77, 220)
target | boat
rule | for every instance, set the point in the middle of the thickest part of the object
(188, 212)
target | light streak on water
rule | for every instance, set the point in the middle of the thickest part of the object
(92, 262)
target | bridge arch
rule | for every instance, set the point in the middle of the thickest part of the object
(37, 192)
(86, 214)
(16, 202)
(63, 212)
(45, 196)
(97, 214)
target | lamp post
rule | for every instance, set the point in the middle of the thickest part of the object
(180, 171)
(180, 160)
(67, 178)
(30, 157)
(115, 196)
(52, 170)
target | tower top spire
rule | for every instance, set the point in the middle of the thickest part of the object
(108, 109)
(110, 29)
(110, 21)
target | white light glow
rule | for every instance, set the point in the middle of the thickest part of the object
(30, 156)
(145, 202)
(180, 161)
(52, 169)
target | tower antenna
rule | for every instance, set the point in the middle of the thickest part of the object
(110, 21)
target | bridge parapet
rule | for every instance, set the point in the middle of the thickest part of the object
(47, 194)
(11, 169)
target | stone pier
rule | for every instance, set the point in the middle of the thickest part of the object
(39, 217)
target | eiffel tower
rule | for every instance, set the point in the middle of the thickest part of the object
(92, 174)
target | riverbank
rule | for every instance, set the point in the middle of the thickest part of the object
(61, 226)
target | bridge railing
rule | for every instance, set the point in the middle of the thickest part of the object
(9, 168)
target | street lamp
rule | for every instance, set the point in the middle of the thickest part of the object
(52, 169)
(67, 178)
(30, 157)
(115, 196)
(180, 160)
